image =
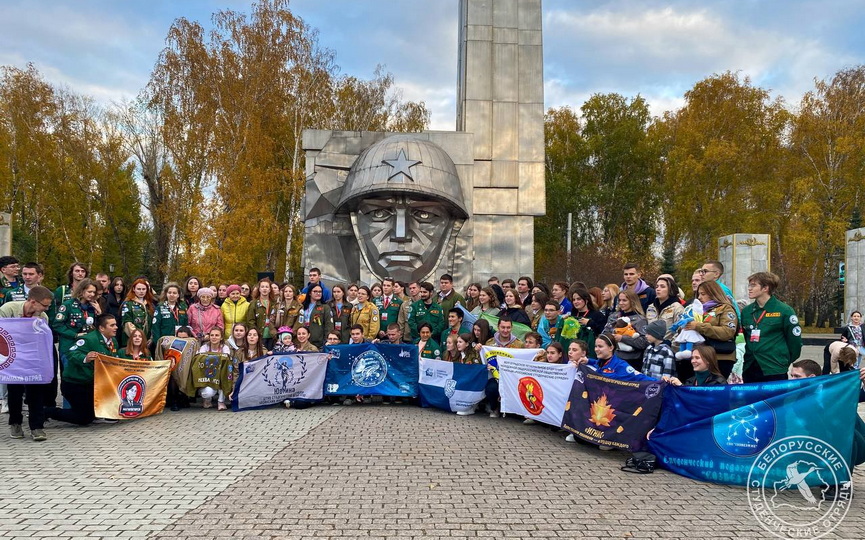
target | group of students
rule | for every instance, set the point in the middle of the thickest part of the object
(625, 331)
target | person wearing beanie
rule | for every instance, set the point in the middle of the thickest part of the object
(233, 309)
(658, 358)
(205, 315)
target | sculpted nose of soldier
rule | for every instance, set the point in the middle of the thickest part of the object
(401, 233)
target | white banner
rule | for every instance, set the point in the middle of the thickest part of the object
(536, 390)
(275, 378)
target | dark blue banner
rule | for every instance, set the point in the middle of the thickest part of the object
(611, 412)
(372, 370)
(718, 433)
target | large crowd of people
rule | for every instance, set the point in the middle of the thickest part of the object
(630, 330)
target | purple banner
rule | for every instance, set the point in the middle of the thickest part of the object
(25, 351)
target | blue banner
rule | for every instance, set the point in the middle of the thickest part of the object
(717, 433)
(612, 412)
(372, 369)
(450, 386)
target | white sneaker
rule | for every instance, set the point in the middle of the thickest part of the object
(287, 403)
(606, 448)
(4, 409)
(494, 414)
(571, 438)
(466, 413)
(529, 421)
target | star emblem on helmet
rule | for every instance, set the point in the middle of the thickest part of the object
(401, 165)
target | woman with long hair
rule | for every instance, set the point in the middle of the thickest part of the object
(366, 314)
(303, 344)
(262, 311)
(473, 293)
(514, 309)
(316, 316)
(706, 369)
(74, 275)
(667, 306)
(288, 308)
(170, 314)
(452, 354)
(136, 348)
(211, 360)
(238, 337)
(609, 294)
(586, 312)
(481, 333)
(190, 290)
(76, 317)
(720, 324)
(535, 309)
(115, 296)
(341, 312)
(137, 310)
(632, 342)
(487, 303)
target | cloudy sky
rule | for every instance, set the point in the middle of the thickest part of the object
(659, 49)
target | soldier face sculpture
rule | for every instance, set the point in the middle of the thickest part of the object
(401, 235)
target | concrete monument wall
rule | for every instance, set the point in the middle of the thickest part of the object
(854, 277)
(461, 202)
(743, 255)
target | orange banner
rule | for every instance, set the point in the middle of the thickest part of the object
(129, 389)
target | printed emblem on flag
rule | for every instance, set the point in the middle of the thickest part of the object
(131, 392)
(531, 395)
(450, 387)
(7, 349)
(369, 369)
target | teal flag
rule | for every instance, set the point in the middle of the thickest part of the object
(723, 434)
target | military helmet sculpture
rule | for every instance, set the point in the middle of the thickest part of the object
(406, 204)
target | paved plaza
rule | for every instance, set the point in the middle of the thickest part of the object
(371, 471)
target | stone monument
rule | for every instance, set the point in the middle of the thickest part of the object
(854, 262)
(415, 206)
(5, 234)
(743, 255)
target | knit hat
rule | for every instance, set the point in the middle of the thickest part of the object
(206, 291)
(231, 288)
(657, 329)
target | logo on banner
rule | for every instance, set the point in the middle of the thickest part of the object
(279, 373)
(450, 387)
(745, 431)
(601, 412)
(368, 369)
(531, 395)
(7, 349)
(131, 392)
(795, 490)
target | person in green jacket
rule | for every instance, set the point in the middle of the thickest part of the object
(170, 314)
(76, 273)
(427, 346)
(388, 305)
(137, 310)
(447, 296)
(773, 338)
(425, 310)
(76, 317)
(262, 310)
(77, 383)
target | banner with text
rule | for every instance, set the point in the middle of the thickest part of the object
(450, 386)
(536, 390)
(715, 433)
(275, 378)
(26, 354)
(610, 412)
(372, 369)
(128, 389)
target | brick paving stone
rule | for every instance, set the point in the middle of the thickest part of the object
(351, 472)
(129, 479)
(404, 472)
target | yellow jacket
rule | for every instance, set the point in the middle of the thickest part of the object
(234, 313)
(368, 317)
